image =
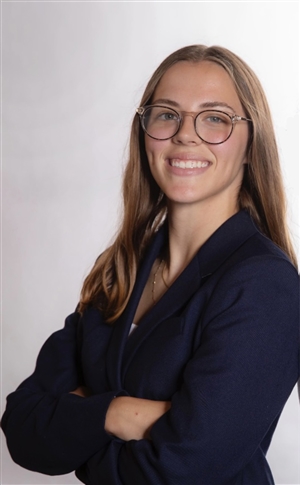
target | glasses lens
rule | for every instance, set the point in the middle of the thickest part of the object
(160, 122)
(213, 126)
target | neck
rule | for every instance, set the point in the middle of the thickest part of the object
(189, 228)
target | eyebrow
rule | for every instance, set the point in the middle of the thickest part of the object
(207, 104)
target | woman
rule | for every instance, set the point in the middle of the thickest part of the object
(176, 365)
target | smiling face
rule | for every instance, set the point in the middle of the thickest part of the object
(188, 170)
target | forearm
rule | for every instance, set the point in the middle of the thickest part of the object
(82, 391)
(54, 435)
(131, 418)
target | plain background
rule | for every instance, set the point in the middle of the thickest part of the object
(72, 76)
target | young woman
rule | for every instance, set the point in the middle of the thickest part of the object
(183, 350)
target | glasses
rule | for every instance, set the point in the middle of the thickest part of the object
(211, 126)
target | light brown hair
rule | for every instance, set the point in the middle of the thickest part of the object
(110, 282)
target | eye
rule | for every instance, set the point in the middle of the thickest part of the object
(167, 116)
(215, 119)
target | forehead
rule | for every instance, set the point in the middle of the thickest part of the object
(194, 84)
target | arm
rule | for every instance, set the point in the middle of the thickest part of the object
(233, 390)
(48, 428)
(82, 391)
(131, 418)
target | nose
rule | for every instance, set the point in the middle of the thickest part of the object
(186, 134)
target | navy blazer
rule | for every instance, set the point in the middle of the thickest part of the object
(221, 344)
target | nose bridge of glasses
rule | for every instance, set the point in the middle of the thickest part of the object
(192, 114)
(183, 116)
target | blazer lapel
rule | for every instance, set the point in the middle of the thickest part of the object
(169, 305)
(123, 324)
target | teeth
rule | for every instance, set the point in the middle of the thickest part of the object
(189, 164)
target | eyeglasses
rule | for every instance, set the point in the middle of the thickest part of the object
(211, 126)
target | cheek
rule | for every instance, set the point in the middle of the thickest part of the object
(243, 147)
(154, 149)
(149, 154)
(149, 146)
(153, 156)
(233, 154)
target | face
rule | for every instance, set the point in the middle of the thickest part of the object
(216, 180)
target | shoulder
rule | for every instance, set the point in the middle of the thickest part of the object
(253, 251)
(258, 280)
(255, 273)
(260, 245)
(263, 263)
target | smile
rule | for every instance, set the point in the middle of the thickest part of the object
(175, 162)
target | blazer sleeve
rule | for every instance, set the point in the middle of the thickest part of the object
(233, 391)
(49, 430)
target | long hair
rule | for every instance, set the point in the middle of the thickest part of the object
(111, 280)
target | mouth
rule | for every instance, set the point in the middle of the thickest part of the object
(188, 164)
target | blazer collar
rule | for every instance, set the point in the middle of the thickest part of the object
(216, 250)
(225, 241)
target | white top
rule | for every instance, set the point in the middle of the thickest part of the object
(133, 326)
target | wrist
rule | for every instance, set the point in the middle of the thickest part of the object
(113, 419)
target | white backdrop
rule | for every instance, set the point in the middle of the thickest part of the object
(72, 76)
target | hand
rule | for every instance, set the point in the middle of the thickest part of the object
(131, 418)
(82, 391)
